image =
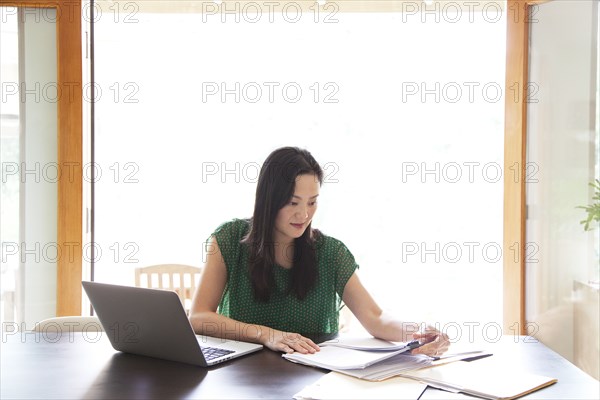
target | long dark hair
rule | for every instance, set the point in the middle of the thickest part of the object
(276, 184)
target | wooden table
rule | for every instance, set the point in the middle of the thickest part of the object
(79, 366)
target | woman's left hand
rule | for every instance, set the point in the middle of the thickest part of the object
(436, 342)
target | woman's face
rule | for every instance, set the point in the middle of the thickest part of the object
(294, 217)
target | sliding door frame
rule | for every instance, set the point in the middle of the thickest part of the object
(69, 117)
(520, 14)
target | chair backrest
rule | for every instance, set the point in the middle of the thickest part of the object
(180, 278)
(69, 324)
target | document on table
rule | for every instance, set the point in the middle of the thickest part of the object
(335, 386)
(366, 343)
(338, 358)
(480, 378)
(403, 362)
(343, 355)
(390, 367)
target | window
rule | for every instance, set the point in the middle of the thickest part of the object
(404, 111)
(30, 249)
(9, 151)
(562, 259)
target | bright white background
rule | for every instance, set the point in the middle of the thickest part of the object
(152, 120)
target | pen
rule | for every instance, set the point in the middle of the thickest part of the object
(414, 344)
(476, 356)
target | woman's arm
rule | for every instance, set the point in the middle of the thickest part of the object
(205, 319)
(383, 326)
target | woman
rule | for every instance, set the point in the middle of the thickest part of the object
(275, 280)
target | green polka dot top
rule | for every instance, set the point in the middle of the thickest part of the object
(316, 315)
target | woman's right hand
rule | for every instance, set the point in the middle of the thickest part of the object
(435, 343)
(289, 342)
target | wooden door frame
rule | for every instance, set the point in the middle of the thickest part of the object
(518, 19)
(69, 117)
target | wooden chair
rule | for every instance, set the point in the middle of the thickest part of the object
(177, 277)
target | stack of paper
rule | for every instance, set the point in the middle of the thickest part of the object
(390, 367)
(376, 360)
(338, 358)
(350, 353)
(367, 344)
(369, 358)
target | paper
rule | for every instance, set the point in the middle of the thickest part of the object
(348, 352)
(333, 357)
(390, 367)
(365, 343)
(335, 386)
(480, 378)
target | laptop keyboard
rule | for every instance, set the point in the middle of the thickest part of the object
(210, 353)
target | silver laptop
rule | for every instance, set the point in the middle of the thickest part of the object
(152, 322)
